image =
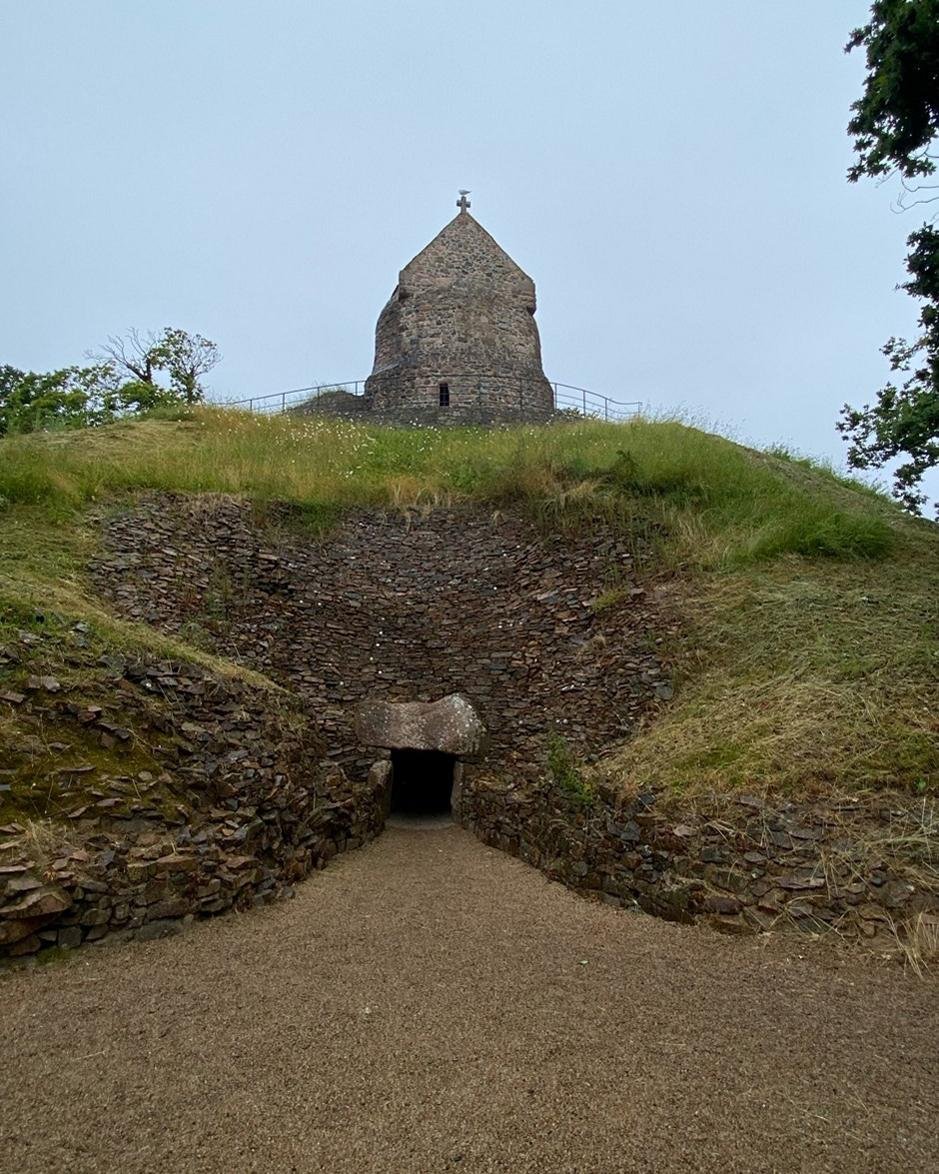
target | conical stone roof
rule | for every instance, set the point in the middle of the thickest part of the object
(457, 339)
(463, 253)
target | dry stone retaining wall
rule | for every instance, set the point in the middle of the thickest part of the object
(404, 608)
(244, 798)
(759, 866)
(237, 804)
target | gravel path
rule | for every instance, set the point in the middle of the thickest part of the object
(428, 1004)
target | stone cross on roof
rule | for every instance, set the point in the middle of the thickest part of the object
(463, 203)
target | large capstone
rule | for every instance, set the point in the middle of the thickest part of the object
(450, 725)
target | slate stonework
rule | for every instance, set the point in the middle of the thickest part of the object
(753, 865)
(238, 807)
(404, 608)
(256, 792)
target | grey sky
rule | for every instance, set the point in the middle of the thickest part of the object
(672, 176)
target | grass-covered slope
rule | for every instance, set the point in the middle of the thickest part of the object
(807, 604)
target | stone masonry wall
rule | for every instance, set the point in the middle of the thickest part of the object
(461, 314)
(235, 807)
(405, 608)
(750, 866)
(410, 397)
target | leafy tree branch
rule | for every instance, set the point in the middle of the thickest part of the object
(895, 124)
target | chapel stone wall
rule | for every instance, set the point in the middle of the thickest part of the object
(458, 335)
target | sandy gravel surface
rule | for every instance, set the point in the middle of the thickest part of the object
(430, 1004)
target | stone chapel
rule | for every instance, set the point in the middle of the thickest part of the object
(457, 339)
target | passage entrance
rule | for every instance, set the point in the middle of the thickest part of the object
(421, 782)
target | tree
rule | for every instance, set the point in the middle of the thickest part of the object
(83, 396)
(895, 125)
(184, 358)
(9, 378)
(134, 357)
(69, 397)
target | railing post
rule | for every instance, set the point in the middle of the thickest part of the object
(606, 407)
(283, 403)
(585, 403)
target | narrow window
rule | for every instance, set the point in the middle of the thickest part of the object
(444, 395)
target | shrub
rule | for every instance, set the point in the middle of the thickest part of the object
(564, 773)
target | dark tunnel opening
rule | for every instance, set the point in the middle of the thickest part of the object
(421, 782)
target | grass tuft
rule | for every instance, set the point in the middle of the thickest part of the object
(565, 773)
(918, 942)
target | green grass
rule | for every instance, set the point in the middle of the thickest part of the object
(715, 503)
(804, 676)
(565, 774)
(804, 604)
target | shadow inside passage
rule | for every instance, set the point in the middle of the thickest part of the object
(421, 788)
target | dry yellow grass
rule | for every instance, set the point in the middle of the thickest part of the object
(799, 676)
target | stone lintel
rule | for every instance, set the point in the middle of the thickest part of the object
(450, 725)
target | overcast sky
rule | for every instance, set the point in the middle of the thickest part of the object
(672, 176)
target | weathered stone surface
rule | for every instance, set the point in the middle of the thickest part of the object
(461, 317)
(157, 929)
(407, 609)
(379, 781)
(15, 930)
(37, 903)
(27, 945)
(178, 863)
(450, 725)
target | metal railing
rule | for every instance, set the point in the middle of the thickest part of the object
(567, 397)
(281, 401)
(593, 403)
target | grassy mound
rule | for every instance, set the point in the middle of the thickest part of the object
(719, 504)
(807, 602)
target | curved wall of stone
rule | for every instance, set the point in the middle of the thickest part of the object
(237, 804)
(404, 608)
(258, 788)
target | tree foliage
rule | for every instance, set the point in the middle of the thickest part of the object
(186, 358)
(895, 119)
(182, 357)
(30, 400)
(123, 378)
(895, 125)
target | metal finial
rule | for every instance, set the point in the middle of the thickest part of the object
(463, 203)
